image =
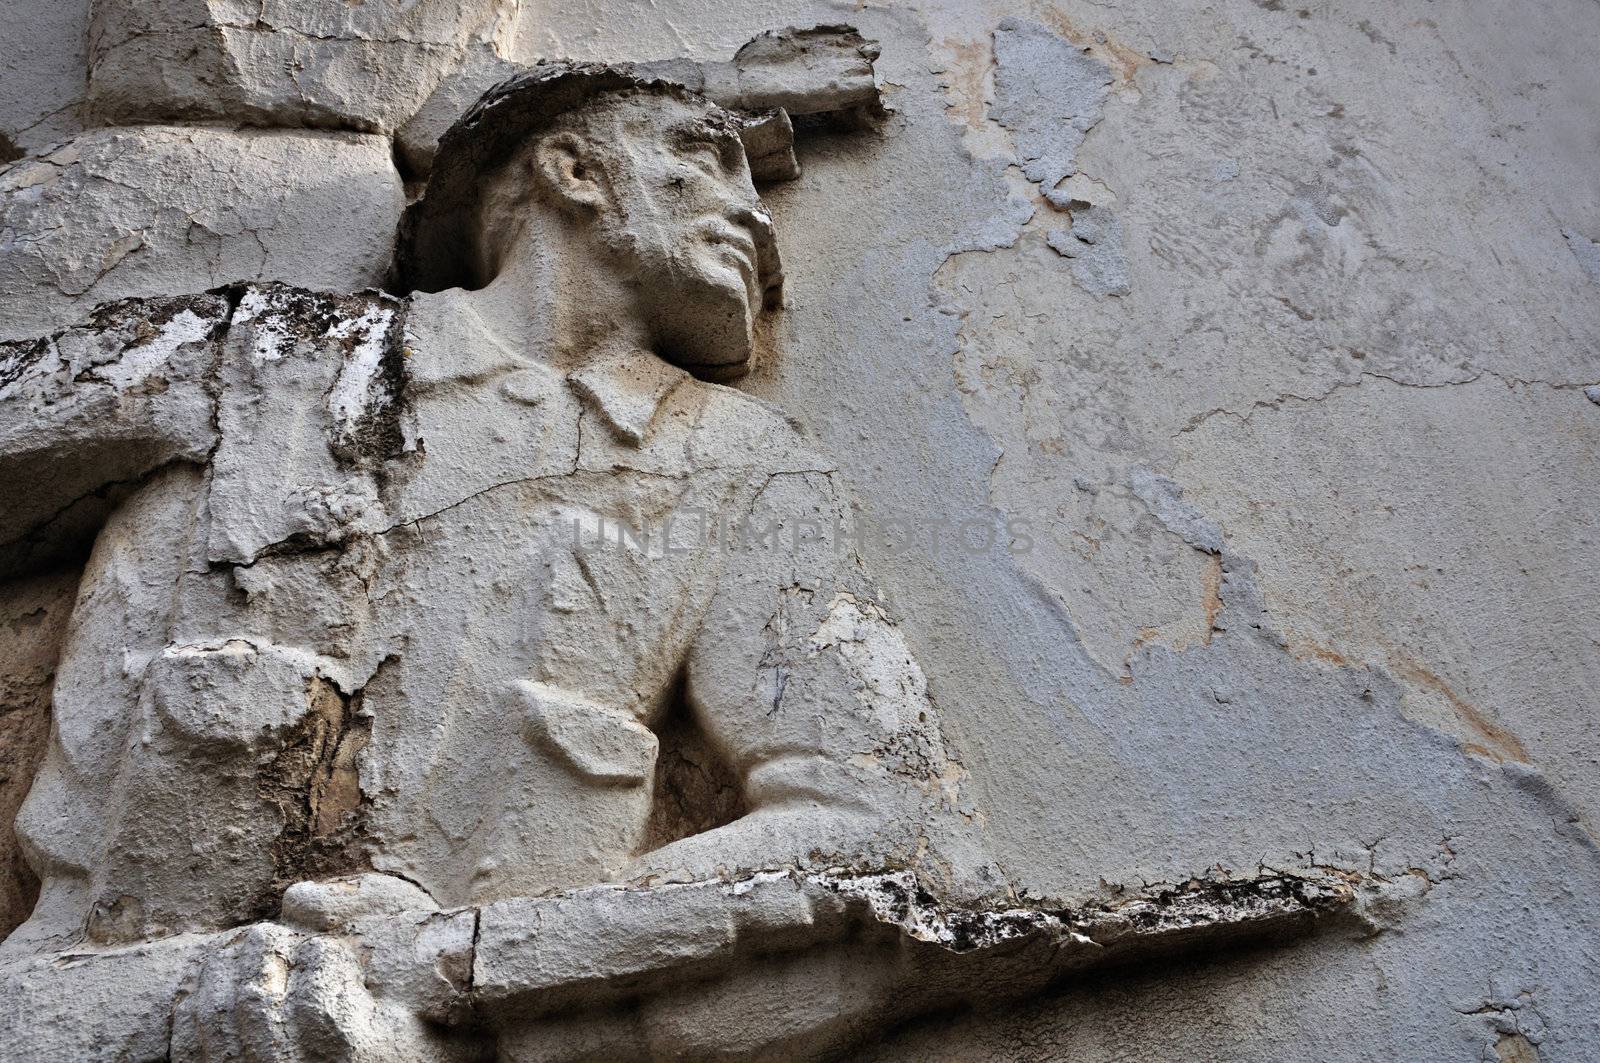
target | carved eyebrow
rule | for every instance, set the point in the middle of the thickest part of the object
(694, 134)
(690, 135)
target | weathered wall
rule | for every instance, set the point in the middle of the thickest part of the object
(1287, 377)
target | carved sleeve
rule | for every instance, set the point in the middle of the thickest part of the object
(807, 687)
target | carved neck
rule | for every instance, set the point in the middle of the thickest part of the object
(560, 299)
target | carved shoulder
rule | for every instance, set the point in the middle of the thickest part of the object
(102, 404)
(88, 413)
(740, 429)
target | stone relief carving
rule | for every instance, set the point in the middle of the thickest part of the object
(358, 741)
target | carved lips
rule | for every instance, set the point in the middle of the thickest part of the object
(736, 243)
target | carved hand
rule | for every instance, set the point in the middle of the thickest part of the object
(304, 992)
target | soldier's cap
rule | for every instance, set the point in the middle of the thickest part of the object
(436, 235)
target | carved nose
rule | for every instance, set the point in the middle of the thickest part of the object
(754, 220)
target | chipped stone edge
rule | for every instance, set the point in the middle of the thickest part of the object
(896, 899)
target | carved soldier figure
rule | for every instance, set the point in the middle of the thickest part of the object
(368, 610)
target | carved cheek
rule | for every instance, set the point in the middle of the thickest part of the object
(678, 182)
(698, 189)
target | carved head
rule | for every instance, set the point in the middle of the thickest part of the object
(646, 181)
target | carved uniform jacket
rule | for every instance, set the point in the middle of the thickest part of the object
(387, 593)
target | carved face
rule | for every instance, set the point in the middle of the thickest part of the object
(700, 230)
(670, 193)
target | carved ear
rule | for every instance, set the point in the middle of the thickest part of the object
(565, 164)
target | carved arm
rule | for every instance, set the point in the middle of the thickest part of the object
(810, 693)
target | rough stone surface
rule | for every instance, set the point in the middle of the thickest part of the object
(1094, 243)
(115, 1005)
(171, 209)
(1253, 344)
(1586, 251)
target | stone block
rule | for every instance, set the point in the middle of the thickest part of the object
(362, 66)
(170, 209)
(115, 1005)
(124, 392)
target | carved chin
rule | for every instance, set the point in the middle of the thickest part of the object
(721, 348)
(708, 330)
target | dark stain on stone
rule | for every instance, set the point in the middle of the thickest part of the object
(315, 784)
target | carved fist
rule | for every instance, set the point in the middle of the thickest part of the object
(285, 994)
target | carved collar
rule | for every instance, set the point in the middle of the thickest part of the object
(627, 390)
(455, 344)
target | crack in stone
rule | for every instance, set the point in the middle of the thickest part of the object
(1278, 401)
